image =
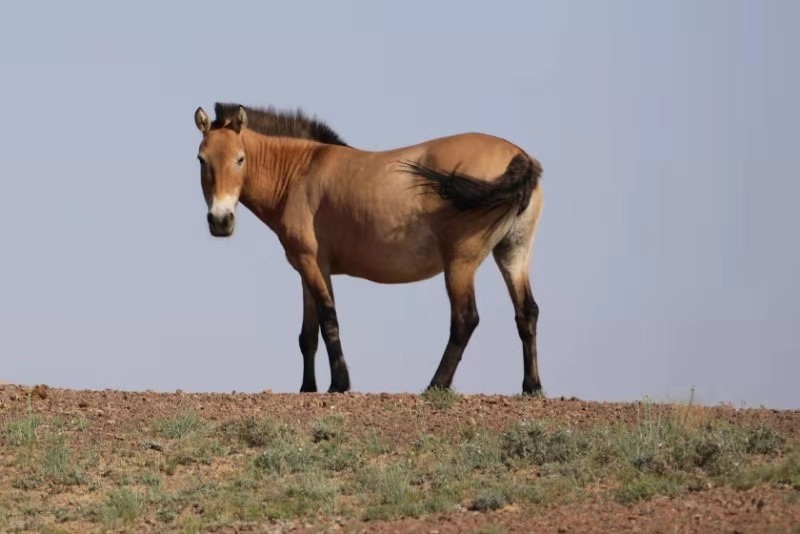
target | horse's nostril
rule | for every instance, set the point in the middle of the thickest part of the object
(220, 223)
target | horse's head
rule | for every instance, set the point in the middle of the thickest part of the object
(222, 169)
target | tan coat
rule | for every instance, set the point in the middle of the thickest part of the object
(393, 216)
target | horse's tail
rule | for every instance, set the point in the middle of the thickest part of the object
(512, 189)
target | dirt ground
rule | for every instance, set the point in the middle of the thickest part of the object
(113, 417)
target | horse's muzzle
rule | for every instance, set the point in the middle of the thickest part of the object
(221, 226)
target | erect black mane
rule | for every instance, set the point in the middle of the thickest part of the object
(270, 121)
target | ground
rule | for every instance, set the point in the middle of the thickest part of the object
(78, 461)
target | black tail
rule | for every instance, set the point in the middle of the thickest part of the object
(512, 189)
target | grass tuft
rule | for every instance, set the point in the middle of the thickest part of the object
(645, 487)
(121, 506)
(786, 473)
(285, 454)
(22, 432)
(250, 431)
(58, 464)
(532, 442)
(180, 426)
(488, 501)
(330, 427)
(391, 485)
(440, 398)
(764, 440)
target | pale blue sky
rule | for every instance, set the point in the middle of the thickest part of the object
(667, 256)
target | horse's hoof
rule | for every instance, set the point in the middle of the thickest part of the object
(334, 389)
(532, 387)
(433, 387)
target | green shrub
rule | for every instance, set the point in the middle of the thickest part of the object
(180, 426)
(534, 443)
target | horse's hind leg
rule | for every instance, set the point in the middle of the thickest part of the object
(513, 255)
(460, 281)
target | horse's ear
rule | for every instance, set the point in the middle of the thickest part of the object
(239, 122)
(201, 120)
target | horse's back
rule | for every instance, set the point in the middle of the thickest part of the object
(476, 154)
(378, 223)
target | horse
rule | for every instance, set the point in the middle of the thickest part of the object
(392, 217)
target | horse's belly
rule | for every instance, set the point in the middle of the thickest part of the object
(394, 256)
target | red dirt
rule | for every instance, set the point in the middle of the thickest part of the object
(401, 418)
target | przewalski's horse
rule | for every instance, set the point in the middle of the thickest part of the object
(392, 217)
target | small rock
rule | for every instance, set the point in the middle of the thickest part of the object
(83, 404)
(40, 391)
(154, 446)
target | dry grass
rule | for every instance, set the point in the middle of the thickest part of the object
(189, 473)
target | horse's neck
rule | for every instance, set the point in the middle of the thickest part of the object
(273, 164)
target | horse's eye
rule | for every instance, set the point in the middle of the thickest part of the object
(240, 161)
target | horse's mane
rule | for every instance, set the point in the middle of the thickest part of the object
(270, 121)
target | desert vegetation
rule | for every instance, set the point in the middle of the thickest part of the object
(76, 461)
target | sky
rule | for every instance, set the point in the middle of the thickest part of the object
(666, 260)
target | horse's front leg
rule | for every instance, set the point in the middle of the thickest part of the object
(319, 288)
(309, 339)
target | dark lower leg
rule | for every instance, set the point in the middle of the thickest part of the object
(317, 281)
(309, 340)
(527, 315)
(463, 321)
(461, 328)
(329, 325)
